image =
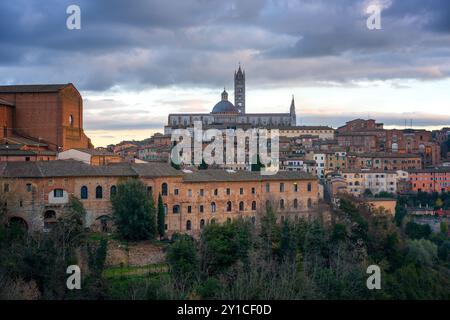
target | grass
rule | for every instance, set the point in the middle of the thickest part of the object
(129, 271)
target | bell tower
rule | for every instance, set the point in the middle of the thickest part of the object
(239, 90)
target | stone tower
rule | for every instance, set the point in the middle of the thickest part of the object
(239, 90)
(292, 113)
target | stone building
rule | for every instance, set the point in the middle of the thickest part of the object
(47, 114)
(384, 161)
(37, 192)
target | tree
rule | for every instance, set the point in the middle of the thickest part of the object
(400, 213)
(417, 231)
(439, 203)
(183, 260)
(133, 211)
(368, 193)
(444, 227)
(161, 217)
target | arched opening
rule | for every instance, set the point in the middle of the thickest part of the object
(113, 191)
(202, 224)
(281, 204)
(84, 192)
(105, 222)
(295, 204)
(213, 207)
(229, 206)
(164, 189)
(18, 223)
(188, 225)
(99, 192)
(309, 203)
(309, 187)
(241, 206)
(253, 205)
(49, 220)
(176, 209)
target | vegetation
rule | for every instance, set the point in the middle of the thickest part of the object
(161, 218)
(134, 211)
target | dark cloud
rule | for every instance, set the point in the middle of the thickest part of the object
(142, 44)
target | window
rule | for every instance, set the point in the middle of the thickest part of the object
(176, 209)
(201, 208)
(267, 187)
(253, 220)
(241, 206)
(295, 204)
(202, 224)
(241, 190)
(189, 209)
(84, 192)
(6, 187)
(29, 187)
(58, 193)
(281, 204)
(202, 192)
(175, 192)
(295, 187)
(253, 190)
(281, 187)
(99, 192)
(216, 192)
(229, 206)
(113, 191)
(71, 120)
(188, 225)
(309, 187)
(164, 189)
(309, 203)
(190, 193)
(228, 191)
(253, 205)
(213, 207)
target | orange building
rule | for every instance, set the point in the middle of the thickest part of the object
(50, 114)
(430, 179)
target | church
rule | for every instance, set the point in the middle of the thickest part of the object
(226, 115)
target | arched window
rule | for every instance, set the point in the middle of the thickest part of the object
(165, 209)
(213, 221)
(71, 120)
(253, 220)
(113, 191)
(229, 206)
(309, 187)
(241, 206)
(309, 203)
(253, 205)
(176, 208)
(281, 204)
(213, 207)
(188, 225)
(295, 204)
(99, 192)
(164, 189)
(202, 224)
(84, 192)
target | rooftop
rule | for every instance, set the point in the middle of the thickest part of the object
(32, 88)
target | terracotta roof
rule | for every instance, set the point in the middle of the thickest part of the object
(384, 155)
(32, 88)
(95, 152)
(218, 175)
(430, 170)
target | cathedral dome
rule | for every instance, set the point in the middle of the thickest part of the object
(225, 106)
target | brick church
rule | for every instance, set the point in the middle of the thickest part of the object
(47, 118)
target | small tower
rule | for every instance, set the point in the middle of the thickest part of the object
(239, 90)
(292, 113)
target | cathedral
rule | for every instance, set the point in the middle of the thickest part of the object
(226, 115)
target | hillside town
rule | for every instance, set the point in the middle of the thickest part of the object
(45, 165)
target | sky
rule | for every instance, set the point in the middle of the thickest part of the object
(136, 61)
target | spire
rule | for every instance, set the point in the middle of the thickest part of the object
(292, 112)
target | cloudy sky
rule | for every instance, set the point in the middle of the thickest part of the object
(137, 61)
